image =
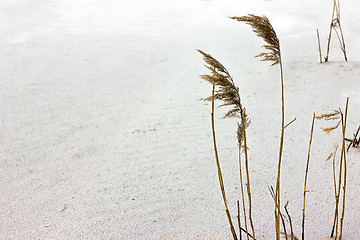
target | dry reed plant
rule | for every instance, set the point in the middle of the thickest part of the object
(263, 29)
(336, 26)
(225, 90)
(228, 93)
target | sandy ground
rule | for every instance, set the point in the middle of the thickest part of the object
(104, 134)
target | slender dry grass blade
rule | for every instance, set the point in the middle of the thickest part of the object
(305, 181)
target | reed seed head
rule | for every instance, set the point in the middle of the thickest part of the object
(263, 28)
(227, 91)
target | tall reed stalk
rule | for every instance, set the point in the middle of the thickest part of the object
(263, 29)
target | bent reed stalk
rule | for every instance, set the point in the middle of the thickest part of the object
(263, 29)
(229, 94)
(219, 168)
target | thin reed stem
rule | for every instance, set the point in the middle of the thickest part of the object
(281, 216)
(277, 189)
(331, 26)
(343, 123)
(336, 215)
(305, 181)
(219, 168)
(243, 128)
(353, 141)
(289, 123)
(242, 192)
(248, 234)
(238, 218)
(335, 189)
(290, 221)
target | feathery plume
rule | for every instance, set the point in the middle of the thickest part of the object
(330, 116)
(263, 28)
(334, 115)
(227, 91)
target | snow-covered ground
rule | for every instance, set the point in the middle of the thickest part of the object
(104, 134)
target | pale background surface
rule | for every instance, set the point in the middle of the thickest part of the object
(103, 133)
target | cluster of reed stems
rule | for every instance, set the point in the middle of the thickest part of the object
(225, 90)
(336, 26)
(341, 181)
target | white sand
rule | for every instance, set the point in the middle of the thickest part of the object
(103, 133)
